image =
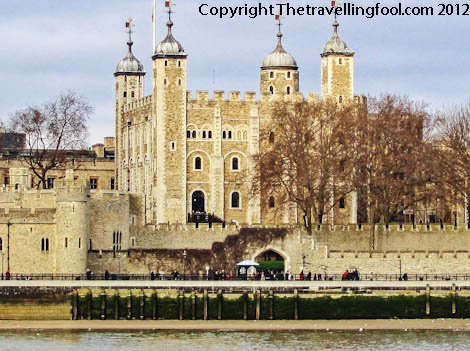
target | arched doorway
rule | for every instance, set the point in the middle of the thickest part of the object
(270, 260)
(197, 202)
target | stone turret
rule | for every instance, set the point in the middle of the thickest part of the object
(337, 65)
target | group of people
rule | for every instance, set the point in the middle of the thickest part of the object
(350, 275)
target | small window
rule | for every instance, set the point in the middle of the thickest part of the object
(288, 90)
(166, 63)
(179, 82)
(198, 163)
(204, 134)
(235, 200)
(6, 180)
(124, 94)
(342, 203)
(90, 245)
(194, 134)
(288, 75)
(271, 137)
(271, 74)
(340, 99)
(1, 244)
(271, 202)
(79, 243)
(50, 183)
(93, 183)
(132, 242)
(235, 164)
(271, 89)
(44, 245)
(173, 146)
(188, 134)
(210, 134)
(340, 61)
(224, 135)
(66, 242)
(179, 63)
(132, 94)
(164, 81)
(230, 134)
(113, 185)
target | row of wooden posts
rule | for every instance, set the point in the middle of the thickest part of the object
(77, 314)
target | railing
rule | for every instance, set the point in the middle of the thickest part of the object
(211, 276)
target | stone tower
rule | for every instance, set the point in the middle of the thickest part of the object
(279, 73)
(129, 77)
(169, 107)
(337, 65)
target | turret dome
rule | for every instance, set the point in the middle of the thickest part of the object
(169, 46)
(130, 64)
(279, 58)
(336, 45)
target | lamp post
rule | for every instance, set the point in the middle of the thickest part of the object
(207, 272)
(184, 265)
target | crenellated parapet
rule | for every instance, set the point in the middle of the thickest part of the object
(27, 215)
(143, 102)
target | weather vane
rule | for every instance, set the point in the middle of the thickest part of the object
(279, 18)
(169, 4)
(129, 26)
(334, 5)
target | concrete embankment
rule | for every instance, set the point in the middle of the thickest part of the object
(232, 300)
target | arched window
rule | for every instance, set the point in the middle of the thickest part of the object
(271, 202)
(235, 164)
(179, 63)
(124, 94)
(288, 75)
(235, 201)
(340, 99)
(230, 134)
(188, 134)
(132, 94)
(198, 163)
(224, 135)
(271, 137)
(271, 74)
(210, 134)
(340, 61)
(194, 134)
(204, 134)
(288, 90)
(271, 89)
(179, 82)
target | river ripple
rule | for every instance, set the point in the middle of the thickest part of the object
(235, 341)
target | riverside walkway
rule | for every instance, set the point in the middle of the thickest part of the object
(239, 285)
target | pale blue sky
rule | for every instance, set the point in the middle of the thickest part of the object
(51, 46)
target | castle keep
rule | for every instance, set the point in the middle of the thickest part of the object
(189, 154)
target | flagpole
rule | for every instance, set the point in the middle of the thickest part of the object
(154, 27)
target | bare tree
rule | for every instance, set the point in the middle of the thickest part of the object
(394, 167)
(452, 150)
(305, 157)
(55, 132)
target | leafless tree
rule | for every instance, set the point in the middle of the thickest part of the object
(394, 167)
(452, 150)
(54, 133)
(305, 157)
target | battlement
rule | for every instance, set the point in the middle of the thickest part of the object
(108, 195)
(147, 100)
(203, 96)
(27, 215)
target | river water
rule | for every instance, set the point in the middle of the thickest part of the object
(236, 341)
